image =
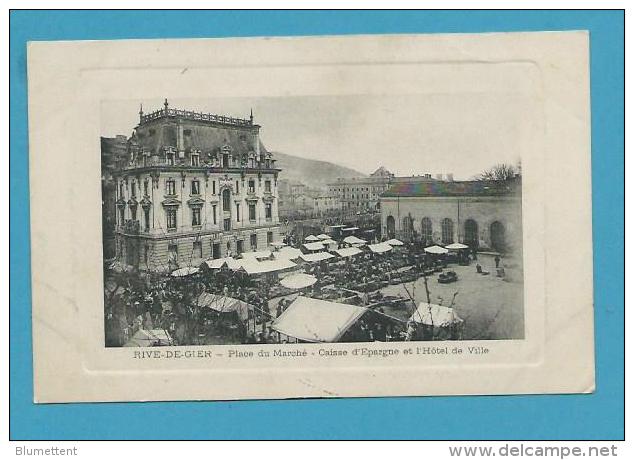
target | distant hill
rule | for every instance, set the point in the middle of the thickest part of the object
(314, 173)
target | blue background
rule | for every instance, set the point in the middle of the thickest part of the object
(597, 416)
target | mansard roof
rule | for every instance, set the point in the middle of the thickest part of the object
(206, 132)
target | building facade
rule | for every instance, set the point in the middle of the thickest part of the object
(325, 205)
(194, 186)
(295, 199)
(363, 193)
(482, 214)
(114, 150)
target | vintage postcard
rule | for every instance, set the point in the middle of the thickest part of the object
(311, 217)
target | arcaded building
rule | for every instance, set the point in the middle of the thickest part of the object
(194, 186)
(482, 214)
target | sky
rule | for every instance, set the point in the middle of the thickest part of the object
(462, 134)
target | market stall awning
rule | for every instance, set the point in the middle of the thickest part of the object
(394, 242)
(350, 229)
(255, 267)
(256, 254)
(316, 256)
(311, 238)
(456, 246)
(298, 281)
(436, 250)
(323, 236)
(353, 240)
(315, 320)
(287, 253)
(329, 242)
(224, 304)
(185, 271)
(149, 338)
(278, 244)
(348, 252)
(316, 246)
(435, 315)
(229, 262)
(380, 248)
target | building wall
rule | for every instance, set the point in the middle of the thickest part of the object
(326, 204)
(113, 151)
(483, 210)
(157, 195)
(131, 246)
(152, 254)
(359, 193)
(365, 192)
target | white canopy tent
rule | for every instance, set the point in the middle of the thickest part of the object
(348, 252)
(256, 255)
(315, 320)
(323, 236)
(436, 250)
(224, 304)
(310, 238)
(278, 244)
(149, 338)
(329, 242)
(353, 240)
(229, 262)
(316, 246)
(255, 267)
(287, 253)
(298, 281)
(185, 271)
(380, 248)
(435, 315)
(456, 246)
(316, 257)
(394, 242)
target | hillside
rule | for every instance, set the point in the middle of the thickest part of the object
(315, 174)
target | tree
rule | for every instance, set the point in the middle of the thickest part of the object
(500, 172)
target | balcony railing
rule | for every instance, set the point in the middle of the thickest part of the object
(191, 115)
(153, 161)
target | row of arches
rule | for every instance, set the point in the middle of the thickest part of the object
(471, 231)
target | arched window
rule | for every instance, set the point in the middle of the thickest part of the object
(408, 228)
(390, 226)
(447, 231)
(426, 230)
(471, 233)
(498, 237)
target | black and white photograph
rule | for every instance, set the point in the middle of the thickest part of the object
(331, 216)
(312, 219)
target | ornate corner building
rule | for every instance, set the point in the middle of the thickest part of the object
(193, 186)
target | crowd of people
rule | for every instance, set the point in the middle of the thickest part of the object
(150, 301)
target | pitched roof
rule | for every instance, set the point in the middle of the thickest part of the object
(381, 171)
(316, 320)
(457, 188)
